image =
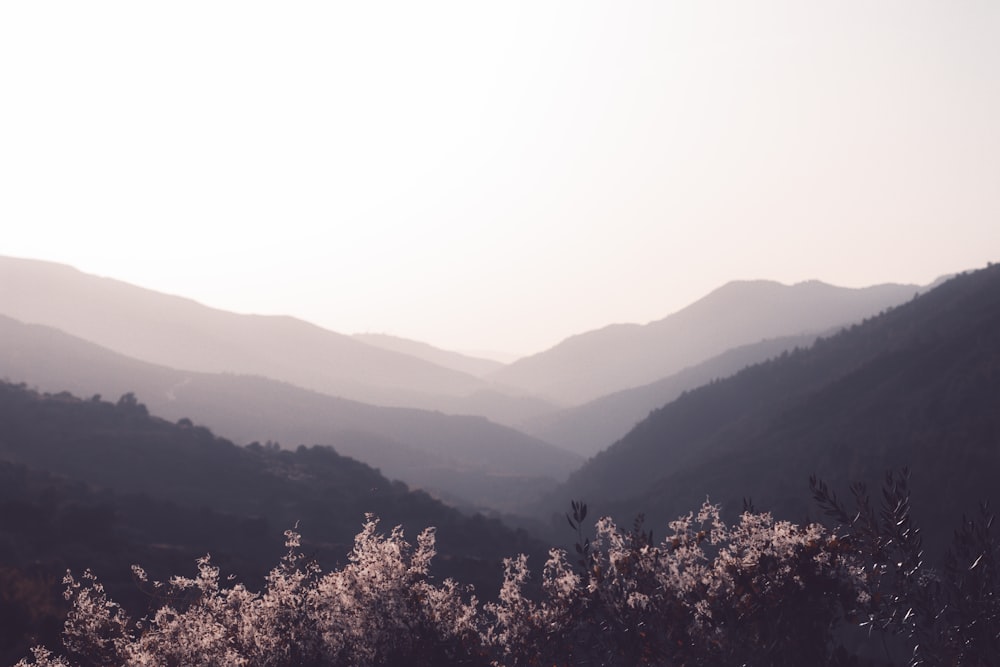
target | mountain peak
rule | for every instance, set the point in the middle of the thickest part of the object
(910, 387)
(618, 357)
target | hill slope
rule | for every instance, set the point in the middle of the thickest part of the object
(180, 333)
(462, 458)
(621, 356)
(589, 428)
(916, 386)
(121, 449)
(90, 484)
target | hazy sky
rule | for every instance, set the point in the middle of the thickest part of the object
(498, 175)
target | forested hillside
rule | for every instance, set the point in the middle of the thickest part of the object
(593, 426)
(95, 484)
(466, 459)
(100, 485)
(918, 386)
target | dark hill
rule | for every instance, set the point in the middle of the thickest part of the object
(918, 386)
(466, 459)
(92, 484)
(120, 448)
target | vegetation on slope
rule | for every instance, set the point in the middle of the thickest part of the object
(100, 485)
(759, 591)
(596, 363)
(461, 458)
(918, 385)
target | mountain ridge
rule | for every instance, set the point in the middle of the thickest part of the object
(182, 333)
(917, 386)
(91, 307)
(599, 423)
(449, 454)
(463, 363)
(621, 356)
(90, 485)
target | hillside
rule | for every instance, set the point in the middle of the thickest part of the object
(593, 426)
(121, 448)
(92, 484)
(468, 460)
(918, 386)
(181, 333)
(621, 356)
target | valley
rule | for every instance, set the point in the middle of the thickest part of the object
(109, 454)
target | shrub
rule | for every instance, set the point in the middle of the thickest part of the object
(945, 616)
(380, 609)
(758, 592)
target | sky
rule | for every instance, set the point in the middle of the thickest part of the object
(498, 175)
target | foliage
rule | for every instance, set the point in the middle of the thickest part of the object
(91, 483)
(918, 385)
(949, 616)
(760, 591)
(763, 591)
(380, 609)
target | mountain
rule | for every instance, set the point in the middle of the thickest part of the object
(593, 364)
(589, 428)
(88, 484)
(180, 333)
(183, 334)
(917, 386)
(462, 363)
(504, 405)
(465, 459)
(123, 449)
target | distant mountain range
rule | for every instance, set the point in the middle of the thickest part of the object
(457, 362)
(593, 426)
(621, 356)
(387, 400)
(917, 386)
(180, 333)
(743, 394)
(385, 370)
(466, 459)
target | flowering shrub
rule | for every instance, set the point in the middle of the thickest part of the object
(380, 609)
(758, 592)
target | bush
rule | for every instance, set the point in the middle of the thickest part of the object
(758, 592)
(380, 609)
(944, 616)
